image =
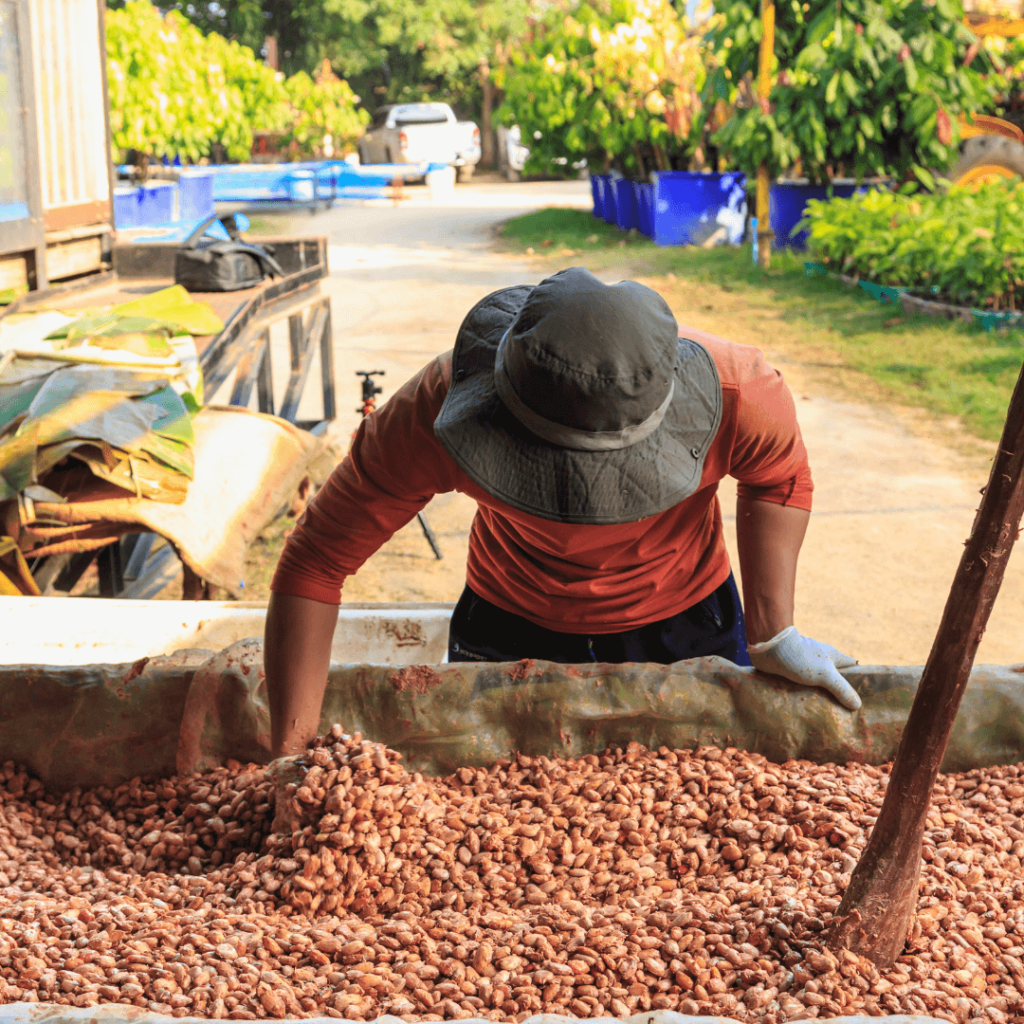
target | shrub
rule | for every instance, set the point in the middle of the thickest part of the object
(323, 106)
(177, 92)
(962, 243)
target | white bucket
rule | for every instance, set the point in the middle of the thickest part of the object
(441, 184)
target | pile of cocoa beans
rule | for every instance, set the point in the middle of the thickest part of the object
(339, 884)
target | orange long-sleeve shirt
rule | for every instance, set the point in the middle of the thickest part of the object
(565, 577)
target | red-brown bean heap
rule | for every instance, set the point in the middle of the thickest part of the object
(700, 881)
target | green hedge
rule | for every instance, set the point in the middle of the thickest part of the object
(962, 245)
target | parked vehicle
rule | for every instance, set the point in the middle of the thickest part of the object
(512, 153)
(417, 133)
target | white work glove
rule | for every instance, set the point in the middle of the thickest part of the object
(808, 662)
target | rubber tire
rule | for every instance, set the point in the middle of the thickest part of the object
(989, 149)
(463, 173)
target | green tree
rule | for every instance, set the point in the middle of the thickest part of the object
(388, 50)
(615, 82)
(175, 91)
(320, 107)
(860, 88)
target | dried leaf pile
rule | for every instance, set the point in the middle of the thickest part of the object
(700, 881)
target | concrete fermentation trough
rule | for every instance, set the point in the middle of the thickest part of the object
(155, 708)
(95, 723)
(73, 631)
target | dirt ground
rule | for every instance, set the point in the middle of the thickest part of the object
(895, 489)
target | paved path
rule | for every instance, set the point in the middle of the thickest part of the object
(891, 507)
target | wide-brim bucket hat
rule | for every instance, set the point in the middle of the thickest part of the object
(578, 402)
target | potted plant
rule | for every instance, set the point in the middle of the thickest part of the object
(861, 90)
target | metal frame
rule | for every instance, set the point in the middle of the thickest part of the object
(27, 236)
(126, 567)
(129, 567)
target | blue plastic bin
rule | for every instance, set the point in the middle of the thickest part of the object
(149, 204)
(606, 185)
(627, 215)
(692, 206)
(157, 202)
(597, 186)
(787, 201)
(125, 206)
(302, 186)
(195, 195)
(645, 206)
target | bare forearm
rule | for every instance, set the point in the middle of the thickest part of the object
(296, 659)
(769, 538)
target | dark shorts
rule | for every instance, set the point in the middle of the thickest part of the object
(480, 631)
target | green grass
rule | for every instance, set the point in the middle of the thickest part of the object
(948, 368)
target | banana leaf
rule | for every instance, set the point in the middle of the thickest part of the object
(130, 427)
(138, 473)
(15, 578)
(140, 334)
(175, 306)
(172, 306)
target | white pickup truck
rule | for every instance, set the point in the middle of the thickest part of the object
(417, 133)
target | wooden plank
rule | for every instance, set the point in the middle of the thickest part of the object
(252, 368)
(297, 380)
(69, 259)
(58, 218)
(13, 271)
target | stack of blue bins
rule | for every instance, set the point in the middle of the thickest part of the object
(677, 208)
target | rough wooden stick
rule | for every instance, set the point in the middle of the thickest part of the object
(877, 911)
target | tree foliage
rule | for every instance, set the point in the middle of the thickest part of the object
(322, 106)
(615, 82)
(861, 88)
(177, 92)
(388, 50)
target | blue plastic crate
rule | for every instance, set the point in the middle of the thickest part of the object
(195, 195)
(786, 205)
(645, 206)
(597, 194)
(691, 207)
(147, 205)
(627, 213)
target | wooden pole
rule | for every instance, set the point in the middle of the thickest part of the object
(764, 88)
(876, 914)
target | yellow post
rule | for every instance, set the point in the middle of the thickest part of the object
(764, 85)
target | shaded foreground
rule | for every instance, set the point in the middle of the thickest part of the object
(698, 881)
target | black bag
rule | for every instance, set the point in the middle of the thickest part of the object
(205, 264)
